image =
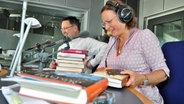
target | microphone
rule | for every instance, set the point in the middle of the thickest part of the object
(109, 52)
(55, 43)
(39, 44)
(83, 34)
(67, 39)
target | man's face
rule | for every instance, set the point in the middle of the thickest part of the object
(68, 29)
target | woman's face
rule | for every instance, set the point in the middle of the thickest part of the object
(112, 23)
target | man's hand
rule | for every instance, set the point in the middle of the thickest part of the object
(53, 65)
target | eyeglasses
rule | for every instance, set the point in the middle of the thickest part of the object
(107, 22)
(64, 28)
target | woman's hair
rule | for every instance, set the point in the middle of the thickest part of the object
(132, 22)
(73, 21)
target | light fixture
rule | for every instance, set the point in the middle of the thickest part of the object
(31, 23)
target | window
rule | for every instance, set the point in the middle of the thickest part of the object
(11, 19)
(168, 28)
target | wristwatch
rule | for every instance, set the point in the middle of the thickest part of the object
(146, 81)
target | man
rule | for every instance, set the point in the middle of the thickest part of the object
(70, 28)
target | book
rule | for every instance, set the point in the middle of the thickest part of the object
(76, 51)
(70, 61)
(70, 65)
(13, 97)
(71, 55)
(68, 69)
(62, 87)
(70, 58)
(115, 79)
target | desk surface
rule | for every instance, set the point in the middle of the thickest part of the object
(124, 96)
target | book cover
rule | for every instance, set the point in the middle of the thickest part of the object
(63, 87)
(69, 69)
(76, 51)
(115, 79)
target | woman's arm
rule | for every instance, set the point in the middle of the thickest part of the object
(153, 78)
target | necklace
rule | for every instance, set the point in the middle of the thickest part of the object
(120, 43)
(120, 46)
(119, 51)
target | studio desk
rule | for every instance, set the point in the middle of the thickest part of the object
(122, 96)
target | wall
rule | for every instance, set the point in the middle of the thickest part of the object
(95, 21)
(155, 8)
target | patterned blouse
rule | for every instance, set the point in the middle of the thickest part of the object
(141, 53)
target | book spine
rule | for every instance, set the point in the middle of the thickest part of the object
(75, 51)
(71, 65)
(72, 55)
(70, 58)
(71, 62)
(68, 69)
(97, 88)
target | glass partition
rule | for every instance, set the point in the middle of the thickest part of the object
(11, 19)
(167, 32)
(168, 28)
(46, 13)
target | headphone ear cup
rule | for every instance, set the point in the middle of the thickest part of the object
(124, 14)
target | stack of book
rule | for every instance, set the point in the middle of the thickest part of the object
(60, 87)
(115, 78)
(71, 60)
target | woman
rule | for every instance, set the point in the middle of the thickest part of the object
(134, 51)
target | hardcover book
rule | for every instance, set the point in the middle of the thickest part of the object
(70, 65)
(68, 69)
(71, 59)
(62, 87)
(115, 79)
(71, 55)
(76, 51)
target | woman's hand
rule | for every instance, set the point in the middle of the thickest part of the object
(135, 79)
(53, 65)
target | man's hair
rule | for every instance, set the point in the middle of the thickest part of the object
(73, 21)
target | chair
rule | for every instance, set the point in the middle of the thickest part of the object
(172, 90)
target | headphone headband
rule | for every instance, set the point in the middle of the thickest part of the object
(115, 5)
(123, 12)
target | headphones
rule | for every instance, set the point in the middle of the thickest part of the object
(123, 12)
